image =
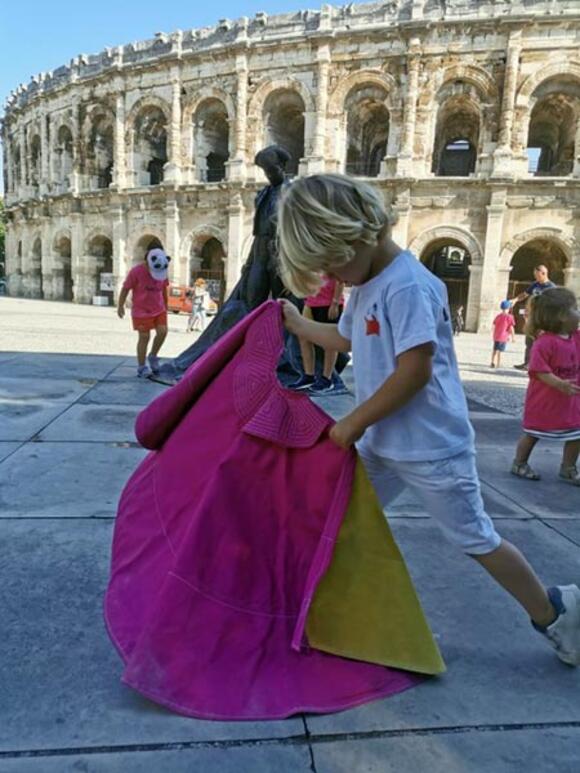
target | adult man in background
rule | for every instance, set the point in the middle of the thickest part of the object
(541, 282)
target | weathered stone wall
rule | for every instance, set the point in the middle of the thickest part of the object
(156, 140)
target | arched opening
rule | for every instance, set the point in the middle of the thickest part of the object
(367, 130)
(145, 243)
(211, 140)
(150, 146)
(36, 268)
(62, 272)
(284, 124)
(207, 261)
(63, 158)
(450, 261)
(99, 153)
(101, 253)
(524, 260)
(456, 138)
(553, 127)
(16, 168)
(35, 171)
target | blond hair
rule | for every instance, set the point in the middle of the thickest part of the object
(319, 219)
(547, 312)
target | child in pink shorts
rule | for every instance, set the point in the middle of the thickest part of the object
(148, 284)
(503, 330)
(552, 407)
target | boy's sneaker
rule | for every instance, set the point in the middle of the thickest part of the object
(321, 386)
(153, 361)
(304, 382)
(564, 633)
(143, 371)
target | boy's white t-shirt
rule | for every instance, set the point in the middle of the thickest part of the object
(402, 307)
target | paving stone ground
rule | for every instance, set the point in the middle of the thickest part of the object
(68, 398)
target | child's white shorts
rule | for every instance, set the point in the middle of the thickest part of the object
(449, 491)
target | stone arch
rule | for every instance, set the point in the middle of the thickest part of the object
(196, 238)
(268, 87)
(567, 243)
(377, 78)
(62, 280)
(207, 252)
(449, 233)
(212, 139)
(35, 278)
(457, 135)
(544, 73)
(35, 172)
(145, 240)
(98, 147)
(209, 92)
(477, 76)
(63, 156)
(147, 140)
(367, 122)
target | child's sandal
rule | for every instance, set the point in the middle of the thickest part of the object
(523, 470)
(570, 475)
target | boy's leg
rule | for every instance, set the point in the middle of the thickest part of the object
(307, 352)
(385, 481)
(160, 336)
(142, 344)
(329, 363)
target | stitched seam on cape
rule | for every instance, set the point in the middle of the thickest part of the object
(228, 605)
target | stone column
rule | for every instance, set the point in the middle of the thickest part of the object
(490, 290)
(23, 174)
(46, 260)
(503, 155)
(44, 161)
(120, 156)
(405, 163)
(121, 263)
(402, 210)
(576, 168)
(79, 265)
(8, 165)
(235, 247)
(237, 166)
(315, 164)
(171, 242)
(572, 279)
(172, 170)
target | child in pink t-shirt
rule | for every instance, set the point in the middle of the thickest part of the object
(503, 330)
(148, 284)
(552, 407)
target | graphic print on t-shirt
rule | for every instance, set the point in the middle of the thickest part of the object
(373, 327)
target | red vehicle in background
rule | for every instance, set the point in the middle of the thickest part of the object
(180, 301)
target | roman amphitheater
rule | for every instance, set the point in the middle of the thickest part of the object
(464, 113)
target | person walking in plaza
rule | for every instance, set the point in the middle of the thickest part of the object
(147, 283)
(325, 307)
(541, 282)
(552, 406)
(503, 331)
(196, 321)
(410, 425)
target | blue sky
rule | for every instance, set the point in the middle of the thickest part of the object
(38, 36)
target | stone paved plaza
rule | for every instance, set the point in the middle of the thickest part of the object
(68, 400)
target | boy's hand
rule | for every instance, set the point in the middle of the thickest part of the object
(292, 317)
(120, 312)
(346, 432)
(333, 310)
(570, 388)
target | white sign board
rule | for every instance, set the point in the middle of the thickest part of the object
(107, 283)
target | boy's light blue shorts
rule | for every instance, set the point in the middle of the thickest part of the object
(449, 491)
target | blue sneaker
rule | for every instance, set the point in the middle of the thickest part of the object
(153, 361)
(304, 382)
(322, 386)
(143, 371)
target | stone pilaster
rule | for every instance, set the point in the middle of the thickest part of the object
(235, 257)
(23, 160)
(120, 163)
(44, 158)
(316, 162)
(78, 269)
(75, 177)
(171, 242)
(8, 169)
(503, 155)
(490, 291)
(172, 171)
(121, 261)
(405, 163)
(237, 166)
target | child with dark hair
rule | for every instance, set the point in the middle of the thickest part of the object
(503, 330)
(552, 407)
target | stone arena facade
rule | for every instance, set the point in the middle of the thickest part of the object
(464, 113)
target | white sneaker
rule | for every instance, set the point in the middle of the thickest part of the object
(564, 633)
(143, 372)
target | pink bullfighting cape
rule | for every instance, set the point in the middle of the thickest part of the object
(248, 547)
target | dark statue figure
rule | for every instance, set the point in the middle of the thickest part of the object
(259, 280)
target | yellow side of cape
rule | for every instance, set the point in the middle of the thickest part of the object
(365, 606)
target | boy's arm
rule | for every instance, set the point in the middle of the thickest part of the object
(121, 302)
(320, 333)
(567, 387)
(410, 377)
(166, 296)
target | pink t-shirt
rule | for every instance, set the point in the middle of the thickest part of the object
(503, 326)
(546, 408)
(324, 296)
(148, 299)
